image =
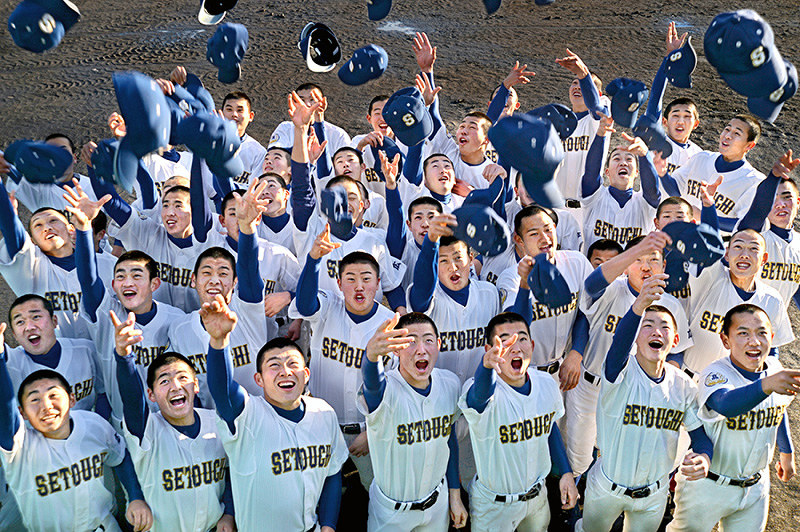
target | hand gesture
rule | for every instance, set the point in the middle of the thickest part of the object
(126, 335)
(424, 52)
(493, 358)
(524, 270)
(462, 188)
(517, 75)
(218, 320)
(275, 302)
(784, 467)
(784, 382)
(226, 523)
(491, 172)
(390, 169)
(458, 513)
(784, 165)
(636, 145)
(166, 86)
(373, 138)
(606, 125)
(659, 163)
(178, 75)
(322, 244)
(695, 466)
(654, 241)
(117, 125)
(87, 151)
(440, 226)
(250, 206)
(673, 41)
(707, 192)
(387, 339)
(82, 209)
(301, 113)
(652, 289)
(5, 166)
(139, 515)
(428, 91)
(569, 492)
(574, 64)
(315, 149)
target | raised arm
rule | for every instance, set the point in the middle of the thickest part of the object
(11, 227)
(518, 75)
(425, 270)
(302, 194)
(134, 405)
(591, 96)
(9, 417)
(249, 209)
(386, 340)
(764, 198)
(201, 214)
(482, 388)
(592, 178)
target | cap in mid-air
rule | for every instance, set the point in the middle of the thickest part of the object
(214, 139)
(700, 244)
(481, 228)
(652, 133)
(390, 149)
(491, 6)
(103, 159)
(333, 204)
(378, 9)
(320, 47)
(547, 284)
(213, 11)
(39, 25)
(226, 49)
(627, 96)
(367, 63)
(38, 162)
(769, 107)
(406, 113)
(680, 64)
(561, 116)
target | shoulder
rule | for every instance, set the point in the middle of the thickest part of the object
(446, 378)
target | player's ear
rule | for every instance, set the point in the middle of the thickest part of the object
(22, 413)
(55, 321)
(72, 400)
(676, 340)
(155, 282)
(725, 340)
(259, 380)
(517, 239)
(150, 395)
(764, 258)
(306, 375)
(192, 283)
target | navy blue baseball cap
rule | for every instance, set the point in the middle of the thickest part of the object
(378, 9)
(213, 11)
(214, 139)
(491, 6)
(485, 196)
(389, 147)
(320, 47)
(226, 49)
(367, 63)
(333, 204)
(145, 111)
(677, 268)
(547, 284)
(39, 25)
(405, 112)
(651, 131)
(38, 161)
(680, 64)
(103, 159)
(700, 244)
(544, 2)
(627, 96)
(741, 46)
(482, 228)
(768, 108)
(196, 89)
(561, 116)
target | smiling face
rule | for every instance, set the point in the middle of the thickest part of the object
(176, 213)
(733, 143)
(229, 221)
(239, 111)
(538, 235)
(784, 209)
(681, 121)
(375, 118)
(622, 169)
(133, 286)
(33, 327)
(416, 362)
(576, 96)
(174, 388)
(454, 264)
(749, 339)
(276, 195)
(359, 282)
(471, 135)
(420, 220)
(643, 268)
(440, 177)
(746, 254)
(283, 375)
(215, 276)
(45, 405)
(656, 338)
(514, 366)
(52, 233)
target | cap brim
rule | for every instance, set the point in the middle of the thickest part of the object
(126, 165)
(230, 168)
(230, 75)
(545, 194)
(352, 78)
(204, 17)
(764, 108)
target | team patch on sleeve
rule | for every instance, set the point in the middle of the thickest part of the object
(714, 378)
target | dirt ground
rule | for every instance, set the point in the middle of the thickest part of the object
(69, 89)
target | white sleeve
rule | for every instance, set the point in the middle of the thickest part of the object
(22, 269)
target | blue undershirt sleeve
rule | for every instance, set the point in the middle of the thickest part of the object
(147, 186)
(558, 453)
(649, 181)
(596, 283)
(434, 109)
(201, 214)
(425, 275)
(591, 97)
(227, 495)
(762, 203)
(9, 418)
(580, 333)
(701, 443)
(134, 406)
(86, 268)
(102, 407)
(621, 345)
(227, 394)
(127, 477)
(784, 438)
(412, 166)
(116, 208)
(396, 231)
(323, 164)
(677, 358)
(733, 403)
(307, 296)
(482, 388)
(301, 195)
(453, 478)
(655, 102)
(708, 215)
(396, 298)
(522, 305)
(670, 185)
(593, 169)
(330, 500)
(10, 224)
(251, 285)
(498, 103)
(374, 383)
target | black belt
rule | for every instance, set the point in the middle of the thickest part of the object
(689, 372)
(421, 505)
(351, 428)
(531, 494)
(592, 379)
(550, 368)
(572, 203)
(746, 483)
(639, 493)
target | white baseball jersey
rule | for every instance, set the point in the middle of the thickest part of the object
(493, 267)
(182, 478)
(510, 437)
(568, 231)
(713, 295)
(59, 483)
(733, 196)
(681, 153)
(10, 518)
(409, 193)
(461, 328)
(78, 364)
(782, 270)
(604, 218)
(408, 435)
(284, 237)
(576, 147)
(337, 348)
(743, 445)
(252, 154)
(371, 179)
(638, 421)
(551, 327)
(273, 458)
(471, 174)
(410, 256)
(37, 195)
(605, 313)
(160, 170)
(283, 136)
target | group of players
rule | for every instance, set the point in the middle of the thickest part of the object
(163, 338)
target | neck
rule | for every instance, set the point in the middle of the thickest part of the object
(748, 283)
(680, 141)
(516, 382)
(183, 421)
(733, 158)
(284, 405)
(187, 232)
(756, 369)
(579, 107)
(653, 368)
(64, 251)
(278, 212)
(419, 384)
(475, 157)
(782, 225)
(144, 308)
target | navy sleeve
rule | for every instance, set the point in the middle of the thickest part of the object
(677, 358)
(227, 394)
(307, 296)
(785, 436)
(147, 186)
(227, 495)
(654, 103)
(498, 103)
(251, 286)
(728, 224)
(330, 500)
(412, 166)
(323, 164)
(201, 214)
(732, 403)
(134, 406)
(670, 185)
(434, 108)
(86, 267)
(396, 231)
(116, 208)
(374, 383)
(9, 418)
(425, 275)
(596, 283)
(649, 181)
(396, 298)
(127, 477)
(482, 388)
(591, 97)
(593, 168)
(522, 305)
(708, 215)
(102, 407)
(762, 203)
(701, 443)
(558, 453)
(580, 333)
(621, 345)
(301, 195)
(453, 478)
(10, 225)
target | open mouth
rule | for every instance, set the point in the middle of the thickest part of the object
(286, 385)
(421, 365)
(742, 264)
(545, 248)
(656, 344)
(359, 298)
(178, 401)
(128, 293)
(455, 278)
(34, 339)
(753, 353)
(170, 223)
(623, 172)
(516, 363)
(213, 291)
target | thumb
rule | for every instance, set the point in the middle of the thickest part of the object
(391, 323)
(114, 319)
(628, 137)
(105, 199)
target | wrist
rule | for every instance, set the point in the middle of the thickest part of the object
(247, 228)
(219, 343)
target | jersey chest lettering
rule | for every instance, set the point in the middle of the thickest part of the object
(723, 204)
(603, 229)
(763, 418)
(461, 340)
(576, 143)
(64, 301)
(425, 430)
(70, 476)
(194, 475)
(372, 176)
(146, 354)
(269, 286)
(243, 178)
(83, 389)
(180, 277)
(332, 267)
(300, 458)
(340, 351)
(542, 311)
(683, 293)
(491, 277)
(711, 322)
(611, 323)
(527, 429)
(781, 271)
(652, 417)
(240, 356)
(671, 167)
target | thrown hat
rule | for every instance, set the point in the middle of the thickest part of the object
(226, 49)
(741, 46)
(367, 63)
(651, 131)
(196, 89)
(319, 47)
(389, 147)
(627, 96)
(677, 269)
(378, 9)
(145, 111)
(680, 64)
(491, 6)
(700, 244)
(561, 116)
(215, 140)
(333, 204)
(39, 25)
(38, 162)
(103, 159)
(544, 2)
(769, 107)
(406, 113)
(213, 11)
(482, 229)
(547, 284)
(485, 196)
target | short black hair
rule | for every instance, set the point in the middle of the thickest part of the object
(449, 240)
(414, 318)
(345, 149)
(673, 200)
(425, 200)
(45, 209)
(633, 241)
(99, 222)
(58, 135)
(42, 374)
(309, 87)
(175, 188)
(279, 342)
(743, 308)
(754, 126)
(215, 252)
(532, 210)
(359, 257)
(136, 255)
(502, 319)
(376, 99)
(279, 178)
(604, 244)
(238, 95)
(165, 359)
(665, 310)
(230, 196)
(433, 156)
(21, 300)
(682, 101)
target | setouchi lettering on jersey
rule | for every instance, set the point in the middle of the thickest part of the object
(638, 422)
(182, 478)
(782, 269)
(743, 445)
(713, 295)
(78, 363)
(188, 337)
(605, 313)
(252, 154)
(576, 147)
(471, 174)
(38, 195)
(337, 348)
(175, 264)
(604, 218)
(408, 434)
(461, 328)
(681, 153)
(59, 484)
(510, 437)
(371, 179)
(551, 327)
(733, 196)
(568, 230)
(273, 458)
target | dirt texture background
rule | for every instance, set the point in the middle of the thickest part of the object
(69, 89)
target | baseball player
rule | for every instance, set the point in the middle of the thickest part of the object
(176, 451)
(278, 161)
(505, 101)
(350, 162)
(404, 236)
(238, 107)
(643, 402)
(743, 400)
(410, 412)
(281, 444)
(276, 225)
(54, 458)
(514, 434)
(602, 251)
